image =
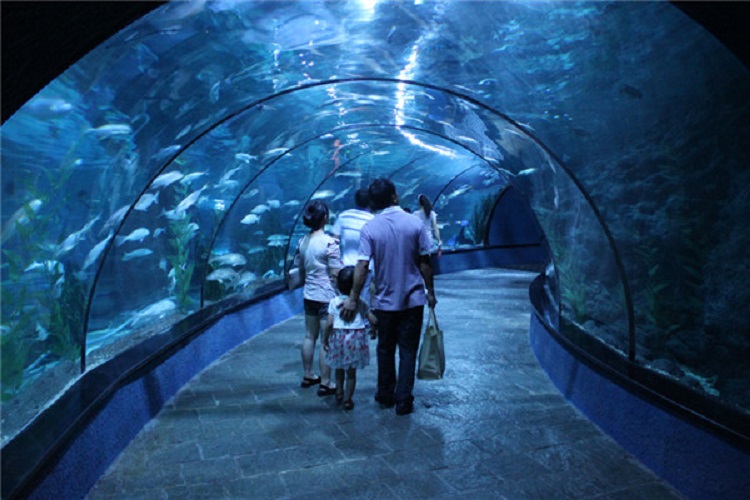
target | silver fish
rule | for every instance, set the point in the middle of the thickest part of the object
(292, 203)
(96, 251)
(246, 278)
(146, 201)
(189, 178)
(112, 129)
(223, 275)
(226, 177)
(48, 265)
(165, 153)
(458, 192)
(20, 216)
(260, 209)
(321, 195)
(116, 217)
(247, 158)
(277, 240)
(157, 309)
(230, 259)
(135, 254)
(138, 235)
(165, 180)
(189, 200)
(342, 194)
(273, 203)
(250, 219)
(74, 239)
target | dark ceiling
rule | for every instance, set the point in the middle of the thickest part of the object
(40, 40)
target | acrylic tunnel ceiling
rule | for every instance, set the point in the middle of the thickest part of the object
(167, 169)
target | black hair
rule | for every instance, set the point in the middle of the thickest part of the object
(362, 198)
(346, 280)
(424, 202)
(315, 215)
(382, 193)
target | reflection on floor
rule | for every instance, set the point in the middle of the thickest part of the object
(494, 427)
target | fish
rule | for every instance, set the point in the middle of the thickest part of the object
(137, 235)
(135, 254)
(255, 249)
(273, 203)
(165, 180)
(160, 308)
(292, 203)
(226, 274)
(230, 259)
(116, 217)
(527, 171)
(260, 209)
(276, 151)
(183, 132)
(42, 332)
(189, 200)
(250, 219)
(111, 129)
(459, 191)
(228, 175)
(247, 158)
(74, 239)
(342, 194)
(48, 265)
(191, 177)
(321, 195)
(277, 240)
(146, 201)
(21, 216)
(269, 275)
(246, 278)
(48, 107)
(96, 252)
(166, 152)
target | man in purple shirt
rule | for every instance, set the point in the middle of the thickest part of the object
(395, 242)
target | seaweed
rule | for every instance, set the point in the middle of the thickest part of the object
(182, 231)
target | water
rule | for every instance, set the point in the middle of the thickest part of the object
(623, 124)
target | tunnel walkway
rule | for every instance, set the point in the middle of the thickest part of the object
(494, 427)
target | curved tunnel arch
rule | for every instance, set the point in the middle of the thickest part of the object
(528, 100)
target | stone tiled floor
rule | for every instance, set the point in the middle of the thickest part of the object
(494, 427)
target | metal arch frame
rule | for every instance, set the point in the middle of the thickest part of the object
(462, 97)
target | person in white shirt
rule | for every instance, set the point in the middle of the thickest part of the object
(319, 265)
(347, 229)
(429, 220)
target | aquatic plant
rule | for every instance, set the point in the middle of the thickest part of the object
(65, 335)
(181, 232)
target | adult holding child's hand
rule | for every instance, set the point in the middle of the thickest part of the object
(396, 242)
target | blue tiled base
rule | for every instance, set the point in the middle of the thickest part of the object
(133, 405)
(694, 461)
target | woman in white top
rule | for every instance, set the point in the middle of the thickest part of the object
(429, 220)
(319, 264)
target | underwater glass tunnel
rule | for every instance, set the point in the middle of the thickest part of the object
(165, 172)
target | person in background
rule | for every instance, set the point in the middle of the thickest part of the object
(345, 343)
(395, 241)
(429, 220)
(347, 227)
(319, 264)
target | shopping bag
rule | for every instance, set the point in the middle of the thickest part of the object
(432, 351)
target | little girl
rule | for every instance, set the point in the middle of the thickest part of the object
(346, 344)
